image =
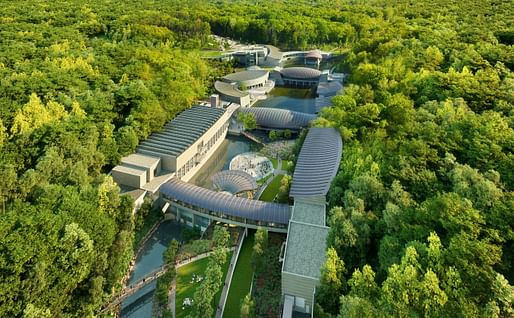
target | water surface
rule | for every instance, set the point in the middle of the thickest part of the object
(299, 100)
(139, 305)
(220, 160)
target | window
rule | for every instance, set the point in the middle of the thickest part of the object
(299, 302)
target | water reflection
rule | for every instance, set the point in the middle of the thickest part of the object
(300, 100)
(220, 160)
(140, 304)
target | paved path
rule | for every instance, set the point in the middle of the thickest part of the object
(276, 172)
(228, 279)
(251, 137)
(133, 288)
(172, 296)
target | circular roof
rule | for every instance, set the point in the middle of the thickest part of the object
(234, 181)
(300, 73)
(245, 76)
(315, 54)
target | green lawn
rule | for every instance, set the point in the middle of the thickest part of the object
(242, 279)
(263, 180)
(285, 164)
(274, 162)
(272, 190)
(186, 289)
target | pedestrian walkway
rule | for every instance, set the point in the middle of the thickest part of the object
(228, 279)
(172, 296)
(276, 172)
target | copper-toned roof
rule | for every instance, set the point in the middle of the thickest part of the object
(315, 54)
(301, 73)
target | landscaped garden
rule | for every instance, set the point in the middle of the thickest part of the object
(265, 260)
(272, 189)
(241, 280)
(189, 278)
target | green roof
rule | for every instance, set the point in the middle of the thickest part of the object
(305, 253)
(309, 213)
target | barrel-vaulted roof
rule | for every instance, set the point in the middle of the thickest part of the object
(180, 133)
(314, 54)
(301, 73)
(317, 163)
(234, 181)
(231, 206)
(279, 118)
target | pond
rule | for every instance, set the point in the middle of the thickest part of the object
(140, 304)
(299, 100)
(220, 160)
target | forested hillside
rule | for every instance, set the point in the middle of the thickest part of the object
(423, 205)
(422, 210)
(81, 83)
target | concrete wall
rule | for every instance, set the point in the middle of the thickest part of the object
(221, 127)
(151, 172)
(128, 179)
(321, 199)
(168, 162)
(243, 101)
(139, 202)
(299, 287)
(256, 82)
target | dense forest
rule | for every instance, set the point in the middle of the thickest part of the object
(422, 210)
(81, 83)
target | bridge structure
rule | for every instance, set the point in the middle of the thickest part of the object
(252, 137)
(119, 297)
(131, 289)
(200, 206)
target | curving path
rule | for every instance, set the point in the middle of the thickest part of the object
(118, 298)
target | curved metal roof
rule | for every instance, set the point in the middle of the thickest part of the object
(274, 52)
(279, 118)
(228, 89)
(317, 163)
(234, 181)
(245, 76)
(314, 54)
(229, 205)
(301, 73)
